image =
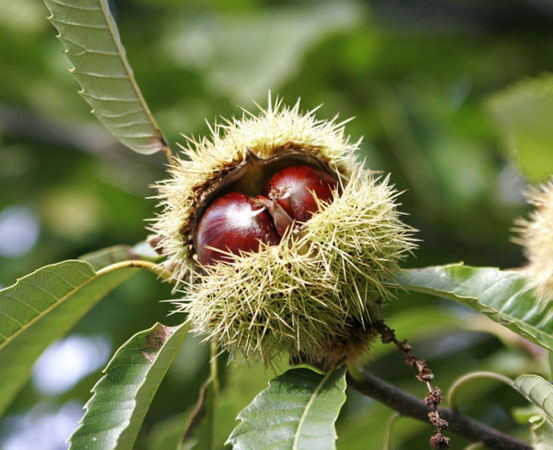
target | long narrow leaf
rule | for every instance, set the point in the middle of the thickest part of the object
(39, 309)
(298, 411)
(89, 34)
(124, 394)
(499, 294)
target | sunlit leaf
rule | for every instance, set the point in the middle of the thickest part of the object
(524, 113)
(298, 410)
(40, 308)
(91, 39)
(123, 395)
(499, 294)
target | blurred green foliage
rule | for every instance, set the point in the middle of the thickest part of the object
(418, 79)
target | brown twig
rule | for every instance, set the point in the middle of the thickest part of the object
(410, 406)
(424, 375)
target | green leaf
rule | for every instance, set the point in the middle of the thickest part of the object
(523, 113)
(298, 410)
(499, 294)
(120, 253)
(91, 39)
(40, 308)
(123, 395)
(539, 392)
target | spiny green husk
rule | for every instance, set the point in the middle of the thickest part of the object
(312, 295)
(536, 237)
(275, 129)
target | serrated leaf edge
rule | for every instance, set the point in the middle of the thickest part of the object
(58, 301)
(111, 26)
(105, 371)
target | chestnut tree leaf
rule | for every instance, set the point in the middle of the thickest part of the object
(501, 295)
(91, 39)
(121, 398)
(297, 411)
(523, 113)
(539, 392)
(40, 308)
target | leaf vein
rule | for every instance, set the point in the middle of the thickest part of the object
(82, 8)
(21, 301)
(12, 319)
(100, 75)
(116, 116)
(77, 24)
(109, 99)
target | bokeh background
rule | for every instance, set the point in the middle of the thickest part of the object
(417, 76)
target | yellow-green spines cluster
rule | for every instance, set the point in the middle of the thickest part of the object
(275, 128)
(314, 294)
(309, 293)
(536, 236)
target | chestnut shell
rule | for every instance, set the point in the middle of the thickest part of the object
(233, 223)
(295, 188)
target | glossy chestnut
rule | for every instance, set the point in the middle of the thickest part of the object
(233, 223)
(294, 188)
(236, 222)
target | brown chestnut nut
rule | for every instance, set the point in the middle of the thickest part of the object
(293, 189)
(236, 222)
(233, 223)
